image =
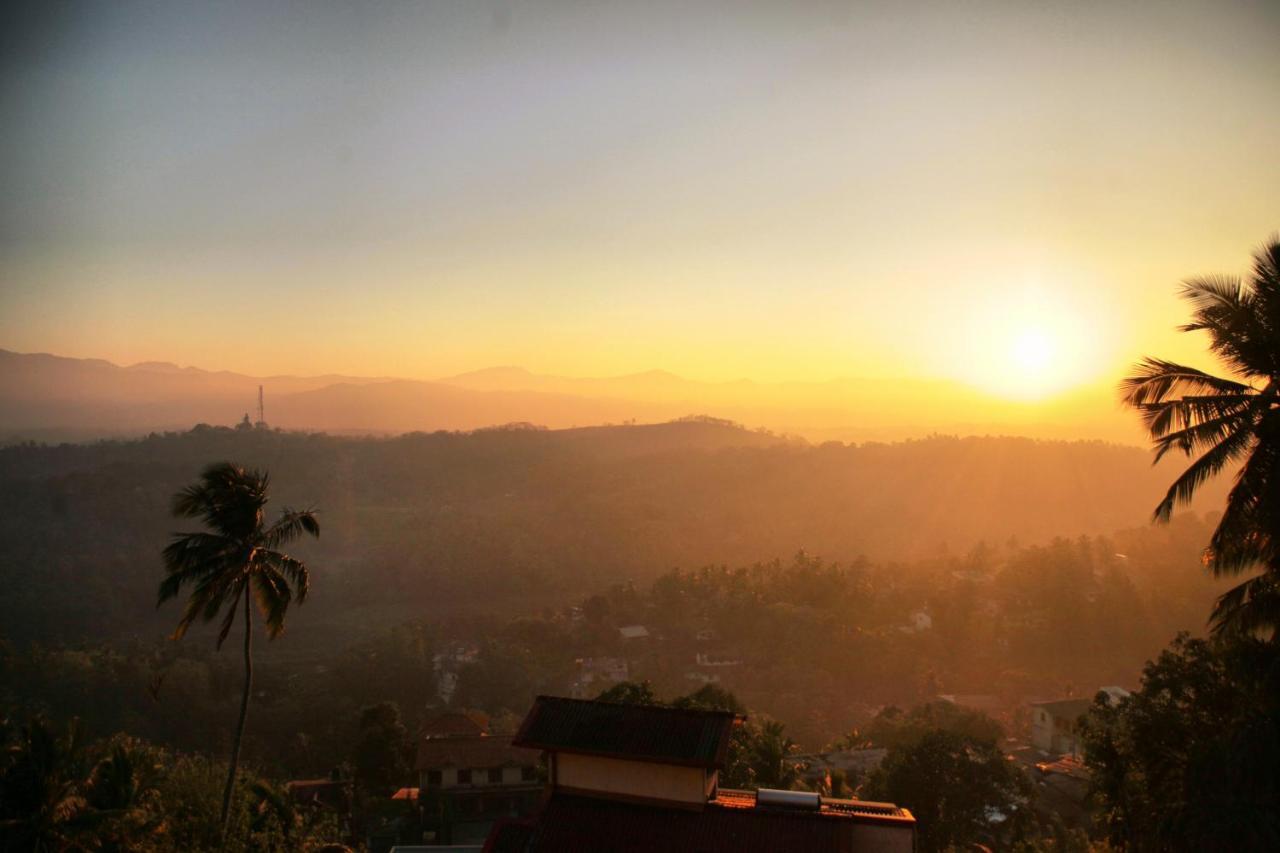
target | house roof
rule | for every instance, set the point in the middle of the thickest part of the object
(475, 752)
(323, 791)
(1067, 709)
(726, 825)
(455, 724)
(689, 737)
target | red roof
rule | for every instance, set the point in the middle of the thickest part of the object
(476, 752)
(569, 822)
(683, 736)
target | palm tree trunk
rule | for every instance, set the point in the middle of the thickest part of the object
(244, 713)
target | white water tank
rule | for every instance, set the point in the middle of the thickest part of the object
(771, 798)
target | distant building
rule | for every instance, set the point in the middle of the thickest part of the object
(632, 778)
(634, 632)
(1062, 785)
(1055, 726)
(595, 673)
(984, 702)
(467, 779)
(446, 665)
(705, 659)
(331, 794)
(703, 677)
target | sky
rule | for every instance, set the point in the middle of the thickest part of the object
(1006, 194)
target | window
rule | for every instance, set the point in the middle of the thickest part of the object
(433, 778)
(528, 773)
(495, 775)
(464, 777)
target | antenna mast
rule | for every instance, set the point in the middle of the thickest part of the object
(262, 420)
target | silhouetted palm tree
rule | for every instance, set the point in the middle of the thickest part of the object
(236, 560)
(1227, 422)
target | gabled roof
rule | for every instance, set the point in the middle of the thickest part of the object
(688, 737)
(478, 753)
(455, 724)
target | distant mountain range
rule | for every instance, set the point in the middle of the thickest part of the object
(51, 397)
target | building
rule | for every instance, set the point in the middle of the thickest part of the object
(1055, 726)
(631, 778)
(468, 779)
(594, 674)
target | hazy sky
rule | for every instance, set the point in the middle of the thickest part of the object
(784, 190)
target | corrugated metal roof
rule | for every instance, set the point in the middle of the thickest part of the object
(638, 732)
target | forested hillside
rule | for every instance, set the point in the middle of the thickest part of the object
(494, 520)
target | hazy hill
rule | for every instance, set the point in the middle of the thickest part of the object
(53, 398)
(426, 522)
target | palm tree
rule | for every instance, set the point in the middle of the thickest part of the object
(236, 560)
(1227, 422)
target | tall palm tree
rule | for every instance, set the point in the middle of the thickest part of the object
(1227, 422)
(236, 559)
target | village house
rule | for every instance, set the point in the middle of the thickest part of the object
(1055, 726)
(469, 778)
(632, 778)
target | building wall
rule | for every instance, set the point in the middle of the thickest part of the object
(1053, 736)
(644, 779)
(1042, 729)
(884, 839)
(479, 778)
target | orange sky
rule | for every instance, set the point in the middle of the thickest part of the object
(1005, 194)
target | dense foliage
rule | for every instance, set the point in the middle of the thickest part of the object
(961, 789)
(513, 520)
(59, 792)
(1192, 760)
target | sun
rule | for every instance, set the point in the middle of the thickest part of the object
(1032, 352)
(1029, 351)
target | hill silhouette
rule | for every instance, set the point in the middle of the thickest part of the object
(49, 397)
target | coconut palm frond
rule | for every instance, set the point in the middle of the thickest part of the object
(1249, 607)
(294, 570)
(1155, 380)
(291, 525)
(1227, 423)
(1230, 449)
(273, 595)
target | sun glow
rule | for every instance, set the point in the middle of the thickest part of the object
(1031, 347)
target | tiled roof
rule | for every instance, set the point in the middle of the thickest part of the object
(454, 724)
(477, 752)
(638, 732)
(586, 823)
